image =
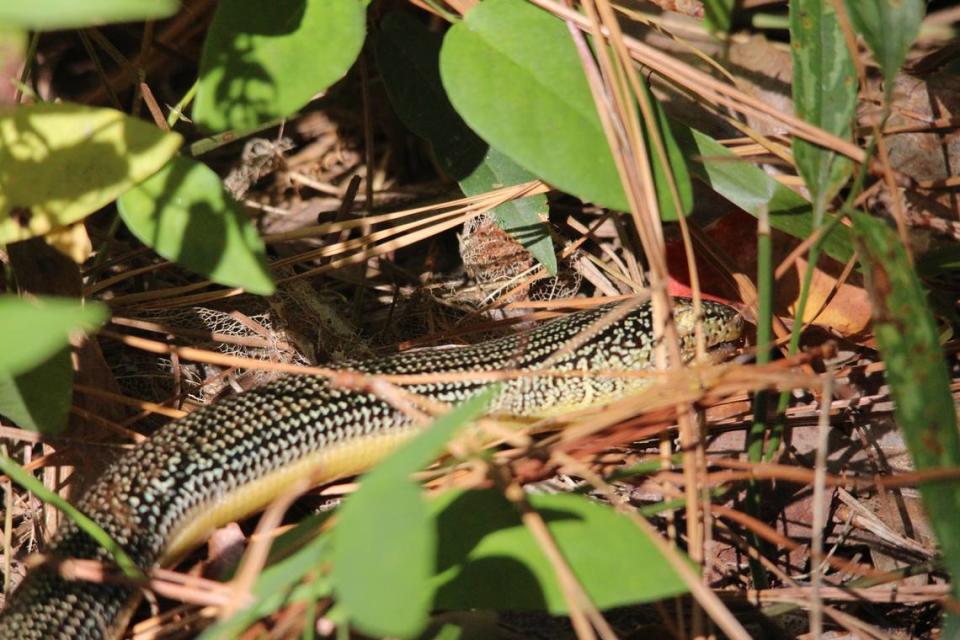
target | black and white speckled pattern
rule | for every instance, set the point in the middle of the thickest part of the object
(149, 492)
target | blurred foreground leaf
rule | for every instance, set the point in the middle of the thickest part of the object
(36, 373)
(488, 559)
(384, 544)
(31, 331)
(46, 15)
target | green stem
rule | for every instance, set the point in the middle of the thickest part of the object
(758, 430)
(185, 101)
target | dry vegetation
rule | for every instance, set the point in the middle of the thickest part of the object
(373, 250)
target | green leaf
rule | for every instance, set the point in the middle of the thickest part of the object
(385, 540)
(185, 215)
(61, 162)
(751, 189)
(678, 165)
(718, 15)
(916, 371)
(487, 559)
(32, 331)
(824, 94)
(520, 218)
(889, 27)
(46, 15)
(512, 72)
(39, 399)
(408, 58)
(265, 60)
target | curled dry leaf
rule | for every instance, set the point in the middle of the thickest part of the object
(847, 310)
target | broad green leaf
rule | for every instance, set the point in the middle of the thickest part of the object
(33, 331)
(824, 94)
(61, 162)
(916, 371)
(512, 72)
(46, 15)
(889, 27)
(408, 57)
(487, 559)
(183, 213)
(265, 60)
(384, 544)
(751, 189)
(39, 399)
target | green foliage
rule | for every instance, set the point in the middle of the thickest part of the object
(36, 374)
(408, 56)
(512, 72)
(754, 191)
(907, 337)
(501, 99)
(488, 559)
(265, 60)
(32, 331)
(61, 162)
(889, 27)
(39, 399)
(383, 581)
(824, 94)
(46, 15)
(185, 215)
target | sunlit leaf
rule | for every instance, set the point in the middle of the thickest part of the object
(488, 559)
(61, 162)
(512, 72)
